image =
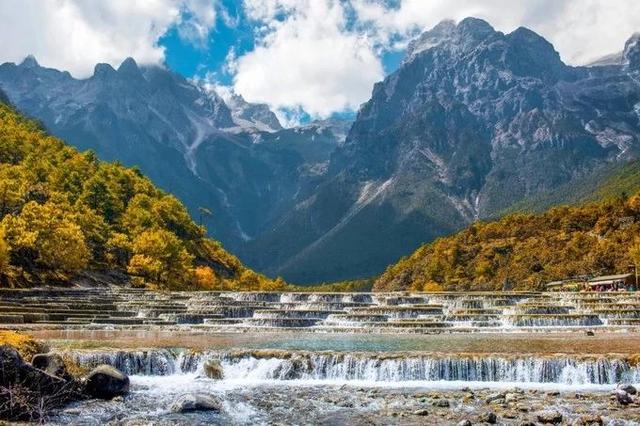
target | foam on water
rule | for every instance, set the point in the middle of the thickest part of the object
(370, 368)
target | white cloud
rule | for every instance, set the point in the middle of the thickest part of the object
(580, 30)
(309, 57)
(74, 35)
(306, 59)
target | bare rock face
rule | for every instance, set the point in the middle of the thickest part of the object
(105, 382)
(631, 53)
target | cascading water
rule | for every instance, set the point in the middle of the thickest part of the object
(265, 365)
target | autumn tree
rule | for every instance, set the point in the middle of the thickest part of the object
(160, 257)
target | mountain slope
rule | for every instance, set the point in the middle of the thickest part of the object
(472, 122)
(615, 180)
(524, 251)
(64, 213)
(234, 160)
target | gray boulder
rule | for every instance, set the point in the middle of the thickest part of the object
(105, 382)
(488, 417)
(195, 402)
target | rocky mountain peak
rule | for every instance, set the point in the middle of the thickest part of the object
(129, 68)
(430, 38)
(103, 70)
(530, 54)
(475, 28)
(30, 62)
(631, 53)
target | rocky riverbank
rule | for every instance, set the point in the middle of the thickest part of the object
(30, 391)
(340, 405)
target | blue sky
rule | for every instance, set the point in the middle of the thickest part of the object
(192, 60)
(306, 59)
(234, 34)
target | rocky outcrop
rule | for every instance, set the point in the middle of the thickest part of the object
(28, 393)
(51, 363)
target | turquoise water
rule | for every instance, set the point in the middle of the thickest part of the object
(511, 343)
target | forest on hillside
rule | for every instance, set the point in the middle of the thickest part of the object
(525, 251)
(63, 213)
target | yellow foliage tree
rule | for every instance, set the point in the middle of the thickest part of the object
(159, 256)
(62, 211)
(206, 279)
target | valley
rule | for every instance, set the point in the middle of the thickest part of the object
(473, 123)
(172, 254)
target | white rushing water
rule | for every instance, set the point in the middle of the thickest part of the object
(372, 368)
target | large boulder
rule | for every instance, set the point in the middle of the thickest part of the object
(51, 363)
(105, 382)
(213, 369)
(195, 402)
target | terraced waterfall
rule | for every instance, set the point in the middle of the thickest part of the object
(344, 358)
(352, 312)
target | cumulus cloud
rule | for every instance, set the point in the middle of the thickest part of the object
(74, 35)
(581, 30)
(323, 56)
(306, 58)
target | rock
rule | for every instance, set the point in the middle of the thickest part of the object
(32, 389)
(488, 417)
(628, 388)
(421, 412)
(590, 420)
(550, 416)
(511, 397)
(466, 422)
(496, 397)
(622, 397)
(527, 423)
(590, 333)
(442, 403)
(51, 363)
(10, 364)
(195, 402)
(105, 382)
(213, 369)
